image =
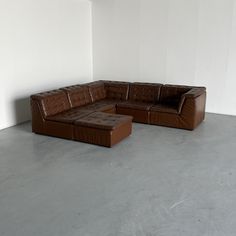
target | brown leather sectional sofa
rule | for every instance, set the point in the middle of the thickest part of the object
(88, 112)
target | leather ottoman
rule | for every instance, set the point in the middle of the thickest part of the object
(102, 128)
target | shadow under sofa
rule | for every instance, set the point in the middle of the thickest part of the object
(56, 112)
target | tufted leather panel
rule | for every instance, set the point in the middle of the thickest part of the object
(78, 95)
(103, 120)
(116, 90)
(52, 102)
(171, 94)
(145, 92)
(69, 116)
(97, 90)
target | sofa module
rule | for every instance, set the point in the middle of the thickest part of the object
(142, 96)
(179, 107)
(103, 129)
(59, 112)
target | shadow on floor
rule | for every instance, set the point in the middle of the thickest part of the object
(22, 113)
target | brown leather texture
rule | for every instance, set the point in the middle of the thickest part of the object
(143, 106)
(145, 92)
(171, 94)
(88, 112)
(78, 95)
(103, 129)
(101, 120)
(139, 116)
(52, 102)
(69, 116)
(59, 129)
(164, 108)
(192, 114)
(97, 90)
(116, 90)
(101, 105)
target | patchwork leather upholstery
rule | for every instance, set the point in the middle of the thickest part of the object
(78, 95)
(52, 102)
(191, 114)
(116, 90)
(103, 120)
(145, 92)
(171, 94)
(97, 90)
(103, 129)
(164, 108)
(69, 116)
(99, 106)
(56, 112)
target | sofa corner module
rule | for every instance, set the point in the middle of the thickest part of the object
(193, 108)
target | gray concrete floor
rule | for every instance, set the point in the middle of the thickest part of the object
(159, 181)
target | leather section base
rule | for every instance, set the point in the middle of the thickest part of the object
(102, 137)
(58, 129)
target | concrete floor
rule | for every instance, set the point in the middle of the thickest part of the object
(157, 182)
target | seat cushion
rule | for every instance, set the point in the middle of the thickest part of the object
(164, 108)
(101, 120)
(134, 105)
(69, 116)
(102, 105)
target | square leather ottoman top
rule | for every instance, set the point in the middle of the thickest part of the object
(103, 120)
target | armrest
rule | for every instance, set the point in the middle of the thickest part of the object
(195, 92)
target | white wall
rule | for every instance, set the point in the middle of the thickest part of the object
(43, 45)
(169, 41)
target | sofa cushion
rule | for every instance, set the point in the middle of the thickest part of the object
(145, 92)
(116, 90)
(78, 95)
(100, 106)
(69, 116)
(97, 90)
(52, 102)
(133, 105)
(164, 108)
(103, 120)
(171, 94)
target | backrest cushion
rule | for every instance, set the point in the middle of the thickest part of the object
(78, 95)
(97, 90)
(116, 90)
(145, 92)
(171, 94)
(52, 102)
